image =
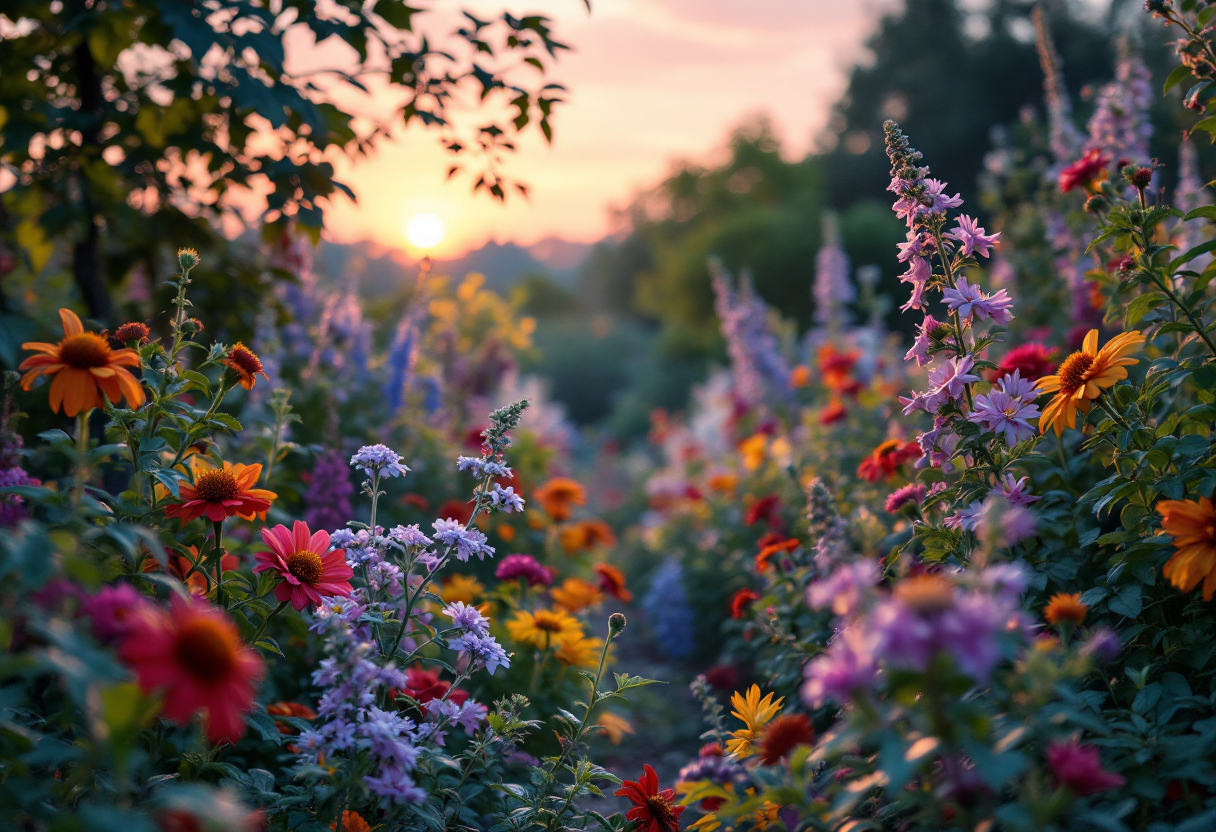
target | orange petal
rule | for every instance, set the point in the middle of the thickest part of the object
(132, 390)
(71, 323)
(1090, 344)
(41, 346)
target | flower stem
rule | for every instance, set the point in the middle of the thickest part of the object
(217, 560)
(266, 620)
(82, 455)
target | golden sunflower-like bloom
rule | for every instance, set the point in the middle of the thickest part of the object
(1084, 375)
(544, 628)
(1192, 524)
(84, 367)
(1065, 606)
(755, 712)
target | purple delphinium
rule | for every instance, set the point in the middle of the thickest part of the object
(525, 567)
(912, 493)
(755, 354)
(327, 501)
(1066, 139)
(832, 290)
(379, 459)
(971, 235)
(1120, 125)
(966, 299)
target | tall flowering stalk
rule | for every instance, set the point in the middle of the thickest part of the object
(755, 356)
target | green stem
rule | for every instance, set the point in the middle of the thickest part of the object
(266, 620)
(1110, 411)
(82, 455)
(217, 560)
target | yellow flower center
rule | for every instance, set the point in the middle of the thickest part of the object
(306, 566)
(216, 486)
(1072, 371)
(84, 351)
(206, 649)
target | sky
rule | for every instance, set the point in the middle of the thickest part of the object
(650, 82)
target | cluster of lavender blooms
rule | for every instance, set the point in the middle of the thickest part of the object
(832, 290)
(1120, 124)
(12, 506)
(1009, 407)
(327, 501)
(825, 526)
(755, 355)
(473, 640)
(668, 612)
(965, 616)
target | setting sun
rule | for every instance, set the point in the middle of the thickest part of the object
(425, 231)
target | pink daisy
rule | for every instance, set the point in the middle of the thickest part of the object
(308, 570)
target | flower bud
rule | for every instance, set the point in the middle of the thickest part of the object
(192, 326)
(616, 623)
(187, 258)
(1095, 204)
(133, 332)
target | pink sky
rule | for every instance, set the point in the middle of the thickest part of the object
(651, 81)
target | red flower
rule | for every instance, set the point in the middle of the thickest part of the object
(1079, 768)
(459, 510)
(194, 655)
(832, 414)
(783, 735)
(308, 569)
(1033, 360)
(1084, 172)
(612, 582)
(884, 461)
(767, 552)
(722, 677)
(763, 509)
(425, 685)
(741, 600)
(652, 808)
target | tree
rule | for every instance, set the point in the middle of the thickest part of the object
(128, 125)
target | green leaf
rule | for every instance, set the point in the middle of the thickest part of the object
(1141, 306)
(1180, 74)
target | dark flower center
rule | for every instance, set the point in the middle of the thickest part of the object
(205, 649)
(243, 359)
(305, 566)
(1073, 370)
(548, 623)
(216, 486)
(84, 351)
(661, 811)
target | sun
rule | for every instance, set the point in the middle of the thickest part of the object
(425, 231)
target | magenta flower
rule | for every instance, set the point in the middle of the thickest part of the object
(918, 275)
(525, 567)
(113, 611)
(920, 347)
(938, 201)
(1079, 768)
(919, 244)
(1015, 490)
(968, 300)
(900, 497)
(972, 236)
(307, 568)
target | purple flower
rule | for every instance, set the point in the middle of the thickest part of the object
(913, 493)
(844, 590)
(832, 289)
(924, 340)
(903, 637)
(1102, 644)
(379, 459)
(113, 610)
(327, 500)
(1006, 524)
(919, 244)
(526, 567)
(1014, 490)
(949, 379)
(918, 274)
(468, 542)
(965, 519)
(968, 300)
(1006, 415)
(968, 631)
(483, 650)
(1006, 581)
(480, 467)
(467, 715)
(467, 618)
(346, 610)
(755, 354)
(505, 499)
(938, 201)
(394, 785)
(848, 664)
(408, 537)
(972, 236)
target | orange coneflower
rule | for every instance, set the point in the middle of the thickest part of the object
(1064, 606)
(576, 594)
(218, 493)
(1192, 524)
(612, 581)
(84, 368)
(586, 535)
(246, 364)
(1083, 376)
(352, 822)
(559, 496)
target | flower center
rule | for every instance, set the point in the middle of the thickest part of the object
(926, 593)
(216, 486)
(84, 350)
(548, 623)
(242, 358)
(306, 566)
(1073, 370)
(206, 649)
(661, 811)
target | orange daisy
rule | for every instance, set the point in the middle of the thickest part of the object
(576, 594)
(559, 496)
(84, 367)
(586, 535)
(219, 493)
(1084, 375)
(612, 581)
(1192, 524)
(1065, 607)
(246, 364)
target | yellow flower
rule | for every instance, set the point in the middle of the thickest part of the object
(1083, 376)
(464, 588)
(576, 594)
(755, 713)
(544, 628)
(752, 451)
(580, 652)
(1193, 526)
(614, 726)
